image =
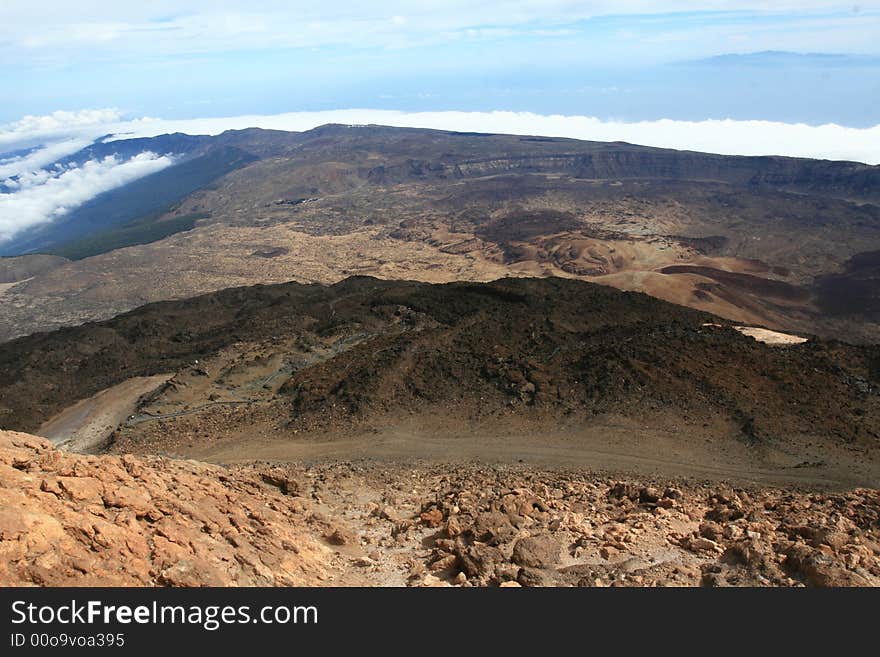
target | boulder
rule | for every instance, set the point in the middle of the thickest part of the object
(537, 552)
(479, 560)
(494, 528)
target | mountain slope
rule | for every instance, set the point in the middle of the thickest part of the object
(145, 199)
(532, 355)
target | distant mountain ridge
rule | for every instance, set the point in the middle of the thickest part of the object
(204, 159)
(787, 58)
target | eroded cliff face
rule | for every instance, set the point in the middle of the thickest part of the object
(850, 180)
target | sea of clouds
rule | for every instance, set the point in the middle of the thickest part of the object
(40, 196)
(33, 190)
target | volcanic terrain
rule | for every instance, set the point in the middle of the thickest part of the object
(782, 242)
(67, 519)
(373, 356)
(544, 369)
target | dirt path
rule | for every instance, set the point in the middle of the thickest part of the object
(150, 417)
(611, 447)
(5, 287)
(86, 425)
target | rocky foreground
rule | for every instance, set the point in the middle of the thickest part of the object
(68, 519)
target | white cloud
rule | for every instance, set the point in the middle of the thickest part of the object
(61, 120)
(33, 128)
(728, 136)
(40, 196)
(41, 157)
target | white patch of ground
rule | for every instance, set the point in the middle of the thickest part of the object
(770, 337)
(765, 335)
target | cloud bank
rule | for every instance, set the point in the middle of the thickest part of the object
(41, 157)
(52, 128)
(42, 195)
(727, 136)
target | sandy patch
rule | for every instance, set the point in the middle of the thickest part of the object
(765, 335)
(6, 286)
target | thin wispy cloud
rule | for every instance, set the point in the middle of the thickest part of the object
(543, 56)
(41, 157)
(199, 26)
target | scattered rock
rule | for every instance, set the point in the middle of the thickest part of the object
(711, 530)
(700, 544)
(453, 526)
(622, 490)
(432, 581)
(534, 577)
(432, 517)
(649, 496)
(446, 562)
(493, 528)
(73, 519)
(479, 560)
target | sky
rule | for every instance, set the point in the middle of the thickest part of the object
(626, 59)
(733, 76)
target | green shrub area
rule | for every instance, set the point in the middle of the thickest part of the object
(139, 232)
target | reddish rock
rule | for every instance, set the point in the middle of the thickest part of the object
(86, 520)
(432, 517)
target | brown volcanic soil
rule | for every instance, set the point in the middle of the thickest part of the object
(67, 519)
(854, 291)
(290, 364)
(748, 282)
(21, 268)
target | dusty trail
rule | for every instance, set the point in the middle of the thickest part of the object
(615, 445)
(611, 446)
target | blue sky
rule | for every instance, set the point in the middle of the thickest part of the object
(625, 60)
